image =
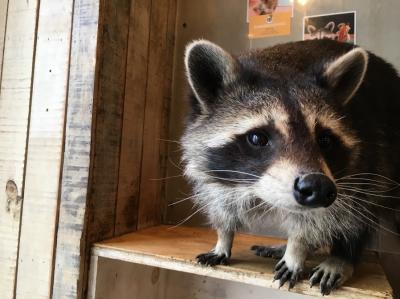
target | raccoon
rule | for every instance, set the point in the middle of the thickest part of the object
(291, 134)
(266, 7)
(323, 32)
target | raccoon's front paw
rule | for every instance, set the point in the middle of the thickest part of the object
(331, 274)
(287, 271)
(276, 252)
(211, 259)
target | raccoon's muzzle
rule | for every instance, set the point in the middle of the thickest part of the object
(314, 190)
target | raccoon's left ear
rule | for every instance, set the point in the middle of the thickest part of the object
(344, 75)
(209, 69)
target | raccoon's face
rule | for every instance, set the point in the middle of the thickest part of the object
(322, 33)
(280, 138)
(268, 6)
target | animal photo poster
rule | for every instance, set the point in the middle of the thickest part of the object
(338, 26)
(267, 7)
(269, 17)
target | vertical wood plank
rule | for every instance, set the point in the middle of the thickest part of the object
(132, 128)
(45, 146)
(152, 201)
(109, 107)
(107, 126)
(3, 20)
(70, 258)
(15, 94)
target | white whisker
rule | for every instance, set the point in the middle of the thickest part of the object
(354, 199)
(377, 225)
(368, 174)
(368, 193)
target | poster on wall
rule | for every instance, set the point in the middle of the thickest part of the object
(337, 26)
(269, 17)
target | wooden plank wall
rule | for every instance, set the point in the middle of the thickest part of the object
(158, 96)
(45, 148)
(133, 117)
(17, 63)
(69, 263)
(105, 67)
(147, 97)
(114, 23)
(140, 196)
(132, 100)
(132, 111)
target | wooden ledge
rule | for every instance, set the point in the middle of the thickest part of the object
(176, 248)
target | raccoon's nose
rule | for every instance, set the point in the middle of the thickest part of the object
(314, 190)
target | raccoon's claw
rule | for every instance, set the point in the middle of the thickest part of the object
(284, 274)
(275, 252)
(327, 281)
(212, 259)
(330, 275)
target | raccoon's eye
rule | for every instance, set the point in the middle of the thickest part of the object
(325, 140)
(257, 139)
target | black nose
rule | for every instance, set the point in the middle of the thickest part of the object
(314, 190)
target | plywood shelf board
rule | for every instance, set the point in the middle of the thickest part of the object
(176, 248)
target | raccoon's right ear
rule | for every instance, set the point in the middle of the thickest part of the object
(344, 75)
(209, 69)
(330, 26)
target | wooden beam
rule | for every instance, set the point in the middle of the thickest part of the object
(70, 250)
(15, 96)
(45, 148)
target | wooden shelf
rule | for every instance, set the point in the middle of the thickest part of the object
(176, 248)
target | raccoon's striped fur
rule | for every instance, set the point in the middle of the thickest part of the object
(264, 120)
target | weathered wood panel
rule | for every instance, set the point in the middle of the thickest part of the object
(152, 199)
(69, 262)
(45, 146)
(132, 129)
(15, 95)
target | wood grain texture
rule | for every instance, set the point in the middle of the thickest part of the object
(3, 21)
(45, 148)
(70, 259)
(152, 199)
(15, 95)
(133, 117)
(176, 248)
(111, 64)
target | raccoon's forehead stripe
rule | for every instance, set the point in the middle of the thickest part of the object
(329, 120)
(227, 129)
